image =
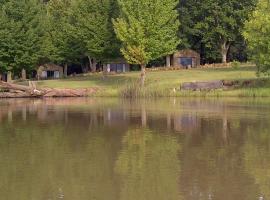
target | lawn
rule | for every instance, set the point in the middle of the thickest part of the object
(162, 83)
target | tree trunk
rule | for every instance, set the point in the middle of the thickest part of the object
(94, 66)
(65, 70)
(143, 74)
(90, 62)
(16, 91)
(29, 89)
(224, 51)
(23, 74)
(9, 77)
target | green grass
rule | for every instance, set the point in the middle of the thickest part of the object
(162, 83)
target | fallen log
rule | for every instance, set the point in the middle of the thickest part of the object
(20, 91)
(30, 90)
(209, 85)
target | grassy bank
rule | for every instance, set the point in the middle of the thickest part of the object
(166, 83)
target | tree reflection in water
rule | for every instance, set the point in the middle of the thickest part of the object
(148, 166)
(124, 150)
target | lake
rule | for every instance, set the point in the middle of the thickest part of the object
(113, 149)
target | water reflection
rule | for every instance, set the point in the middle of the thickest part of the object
(148, 166)
(122, 149)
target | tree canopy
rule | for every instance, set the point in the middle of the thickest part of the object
(213, 26)
(257, 34)
(147, 30)
(20, 34)
(70, 32)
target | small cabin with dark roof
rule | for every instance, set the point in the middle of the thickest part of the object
(184, 58)
(118, 66)
(50, 71)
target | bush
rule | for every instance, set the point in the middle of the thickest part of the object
(236, 65)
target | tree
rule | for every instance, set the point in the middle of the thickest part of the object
(93, 28)
(257, 34)
(213, 25)
(20, 34)
(60, 45)
(147, 30)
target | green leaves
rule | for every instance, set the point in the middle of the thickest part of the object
(93, 26)
(257, 34)
(19, 34)
(209, 24)
(147, 29)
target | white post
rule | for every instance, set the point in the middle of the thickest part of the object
(168, 61)
(108, 68)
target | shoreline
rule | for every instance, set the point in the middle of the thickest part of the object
(241, 82)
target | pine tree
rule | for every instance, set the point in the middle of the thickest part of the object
(59, 44)
(147, 30)
(93, 28)
(20, 34)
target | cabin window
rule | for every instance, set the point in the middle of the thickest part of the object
(119, 67)
(113, 67)
(185, 61)
(50, 74)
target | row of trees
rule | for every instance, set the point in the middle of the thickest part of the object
(33, 32)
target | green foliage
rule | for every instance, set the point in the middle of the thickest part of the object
(93, 27)
(257, 34)
(236, 65)
(59, 45)
(147, 29)
(213, 26)
(20, 34)
(144, 160)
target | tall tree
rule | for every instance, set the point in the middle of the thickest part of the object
(147, 30)
(213, 25)
(20, 34)
(60, 45)
(257, 34)
(93, 28)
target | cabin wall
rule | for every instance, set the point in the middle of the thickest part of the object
(116, 67)
(186, 57)
(50, 71)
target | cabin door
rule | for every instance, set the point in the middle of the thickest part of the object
(186, 61)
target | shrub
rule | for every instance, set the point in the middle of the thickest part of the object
(236, 65)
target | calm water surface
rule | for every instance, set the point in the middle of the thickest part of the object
(111, 149)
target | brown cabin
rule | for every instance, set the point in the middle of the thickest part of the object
(184, 58)
(49, 71)
(118, 66)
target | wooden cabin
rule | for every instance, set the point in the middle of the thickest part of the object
(184, 58)
(50, 71)
(116, 66)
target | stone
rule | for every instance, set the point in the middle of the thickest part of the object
(209, 85)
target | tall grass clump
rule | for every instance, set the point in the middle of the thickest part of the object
(134, 90)
(131, 90)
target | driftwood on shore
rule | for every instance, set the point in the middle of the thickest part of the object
(219, 84)
(208, 85)
(11, 90)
